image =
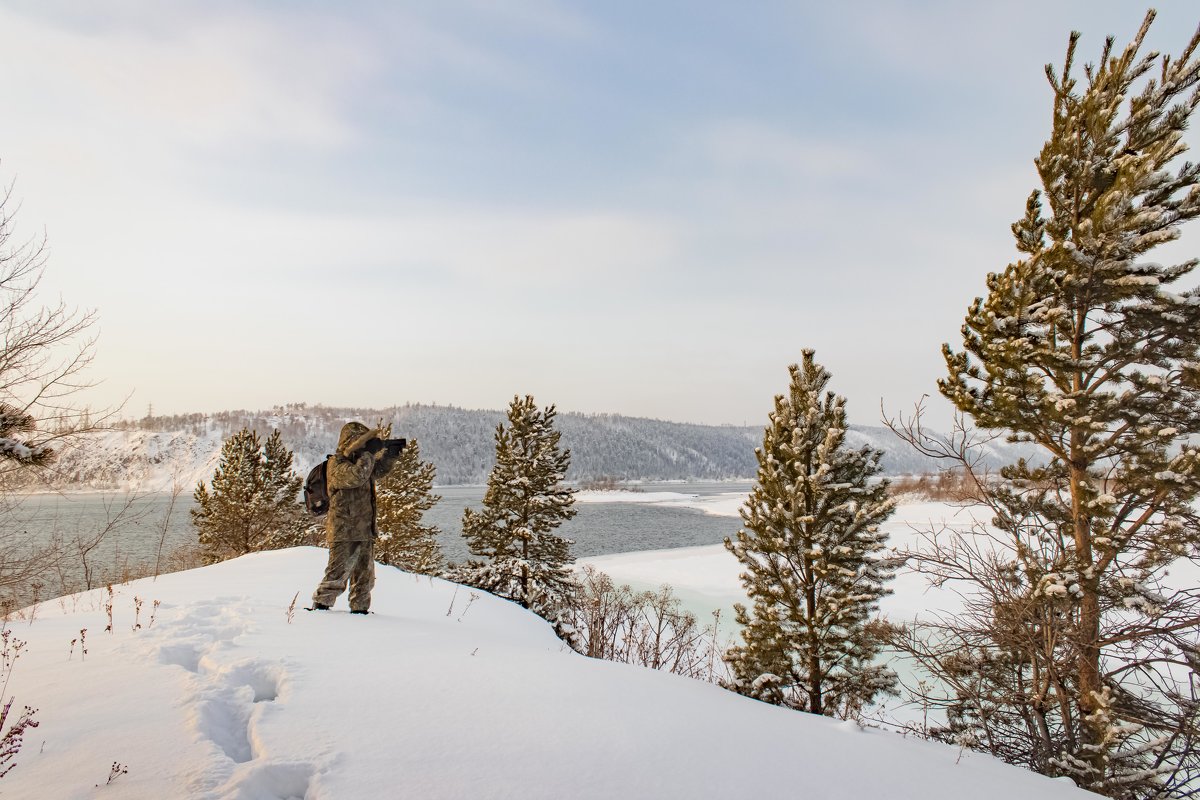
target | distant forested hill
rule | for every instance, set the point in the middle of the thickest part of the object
(151, 453)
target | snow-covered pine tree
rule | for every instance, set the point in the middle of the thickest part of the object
(403, 496)
(1082, 349)
(812, 550)
(252, 504)
(524, 504)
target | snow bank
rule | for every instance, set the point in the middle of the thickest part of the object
(440, 694)
(626, 496)
(725, 504)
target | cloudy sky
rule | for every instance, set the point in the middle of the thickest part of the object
(630, 207)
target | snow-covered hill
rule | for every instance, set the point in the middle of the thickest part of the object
(151, 455)
(442, 693)
(137, 460)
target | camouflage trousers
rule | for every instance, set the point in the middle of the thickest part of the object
(353, 561)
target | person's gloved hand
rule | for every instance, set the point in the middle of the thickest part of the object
(363, 441)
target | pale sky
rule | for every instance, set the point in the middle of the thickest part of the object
(631, 207)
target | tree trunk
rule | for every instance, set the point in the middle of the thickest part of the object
(525, 572)
(1088, 632)
(816, 701)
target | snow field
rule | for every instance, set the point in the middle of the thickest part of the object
(442, 693)
(706, 578)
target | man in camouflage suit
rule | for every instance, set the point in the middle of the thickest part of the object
(360, 460)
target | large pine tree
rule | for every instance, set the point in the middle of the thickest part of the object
(1086, 350)
(252, 504)
(524, 504)
(812, 548)
(404, 495)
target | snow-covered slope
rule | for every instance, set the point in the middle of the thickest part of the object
(443, 693)
(138, 460)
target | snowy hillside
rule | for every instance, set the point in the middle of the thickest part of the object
(440, 694)
(151, 454)
(137, 460)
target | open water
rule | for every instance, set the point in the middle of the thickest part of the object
(151, 525)
(604, 528)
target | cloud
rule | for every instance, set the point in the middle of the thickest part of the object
(507, 249)
(559, 246)
(754, 146)
(214, 79)
(544, 17)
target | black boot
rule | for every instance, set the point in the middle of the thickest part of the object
(318, 607)
(363, 611)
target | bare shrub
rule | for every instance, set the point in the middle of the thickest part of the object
(115, 771)
(649, 629)
(948, 486)
(607, 483)
(12, 732)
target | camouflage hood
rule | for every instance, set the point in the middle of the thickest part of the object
(353, 436)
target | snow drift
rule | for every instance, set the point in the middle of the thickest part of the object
(442, 693)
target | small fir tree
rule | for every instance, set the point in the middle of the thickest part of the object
(404, 495)
(812, 550)
(524, 503)
(252, 504)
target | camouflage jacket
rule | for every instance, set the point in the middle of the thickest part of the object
(351, 477)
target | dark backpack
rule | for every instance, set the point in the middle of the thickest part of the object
(316, 489)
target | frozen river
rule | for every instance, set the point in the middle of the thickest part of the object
(599, 528)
